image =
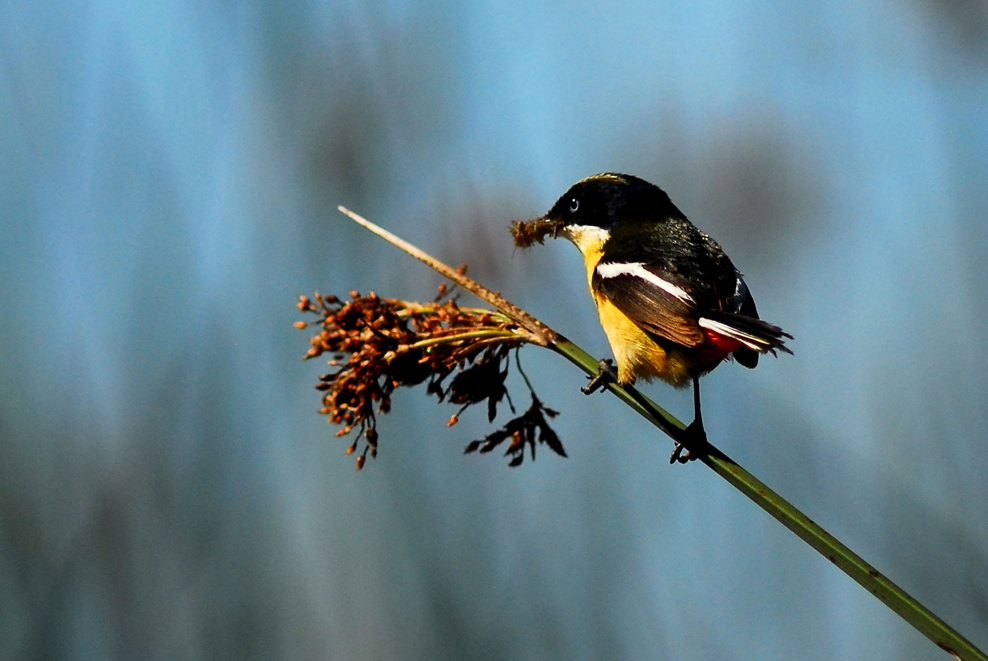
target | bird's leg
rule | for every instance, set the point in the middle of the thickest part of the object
(694, 435)
(605, 374)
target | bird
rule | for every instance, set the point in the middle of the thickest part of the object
(672, 304)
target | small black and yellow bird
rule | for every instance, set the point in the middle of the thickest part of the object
(671, 303)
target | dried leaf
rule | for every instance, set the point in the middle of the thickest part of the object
(527, 430)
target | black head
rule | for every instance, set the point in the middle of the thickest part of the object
(607, 199)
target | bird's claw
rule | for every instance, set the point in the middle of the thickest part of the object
(696, 437)
(605, 374)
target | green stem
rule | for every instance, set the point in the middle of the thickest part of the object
(913, 612)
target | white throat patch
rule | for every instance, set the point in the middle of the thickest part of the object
(588, 238)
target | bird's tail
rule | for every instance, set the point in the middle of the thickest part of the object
(754, 335)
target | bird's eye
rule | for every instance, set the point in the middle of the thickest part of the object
(574, 205)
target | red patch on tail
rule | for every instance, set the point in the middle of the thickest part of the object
(722, 342)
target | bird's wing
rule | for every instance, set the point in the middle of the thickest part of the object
(651, 298)
(744, 304)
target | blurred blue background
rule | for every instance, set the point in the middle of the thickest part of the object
(168, 184)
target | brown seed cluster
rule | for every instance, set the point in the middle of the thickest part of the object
(527, 232)
(379, 344)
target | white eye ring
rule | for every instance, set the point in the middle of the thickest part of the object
(574, 205)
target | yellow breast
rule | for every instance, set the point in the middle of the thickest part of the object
(637, 355)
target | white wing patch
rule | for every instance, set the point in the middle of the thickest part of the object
(750, 341)
(638, 270)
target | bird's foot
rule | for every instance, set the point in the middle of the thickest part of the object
(605, 374)
(693, 442)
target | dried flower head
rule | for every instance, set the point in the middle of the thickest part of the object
(379, 344)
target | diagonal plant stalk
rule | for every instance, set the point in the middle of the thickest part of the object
(908, 608)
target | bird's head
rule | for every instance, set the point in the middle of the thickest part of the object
(594, 207)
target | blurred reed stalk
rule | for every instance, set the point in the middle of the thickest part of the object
(526, 329)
